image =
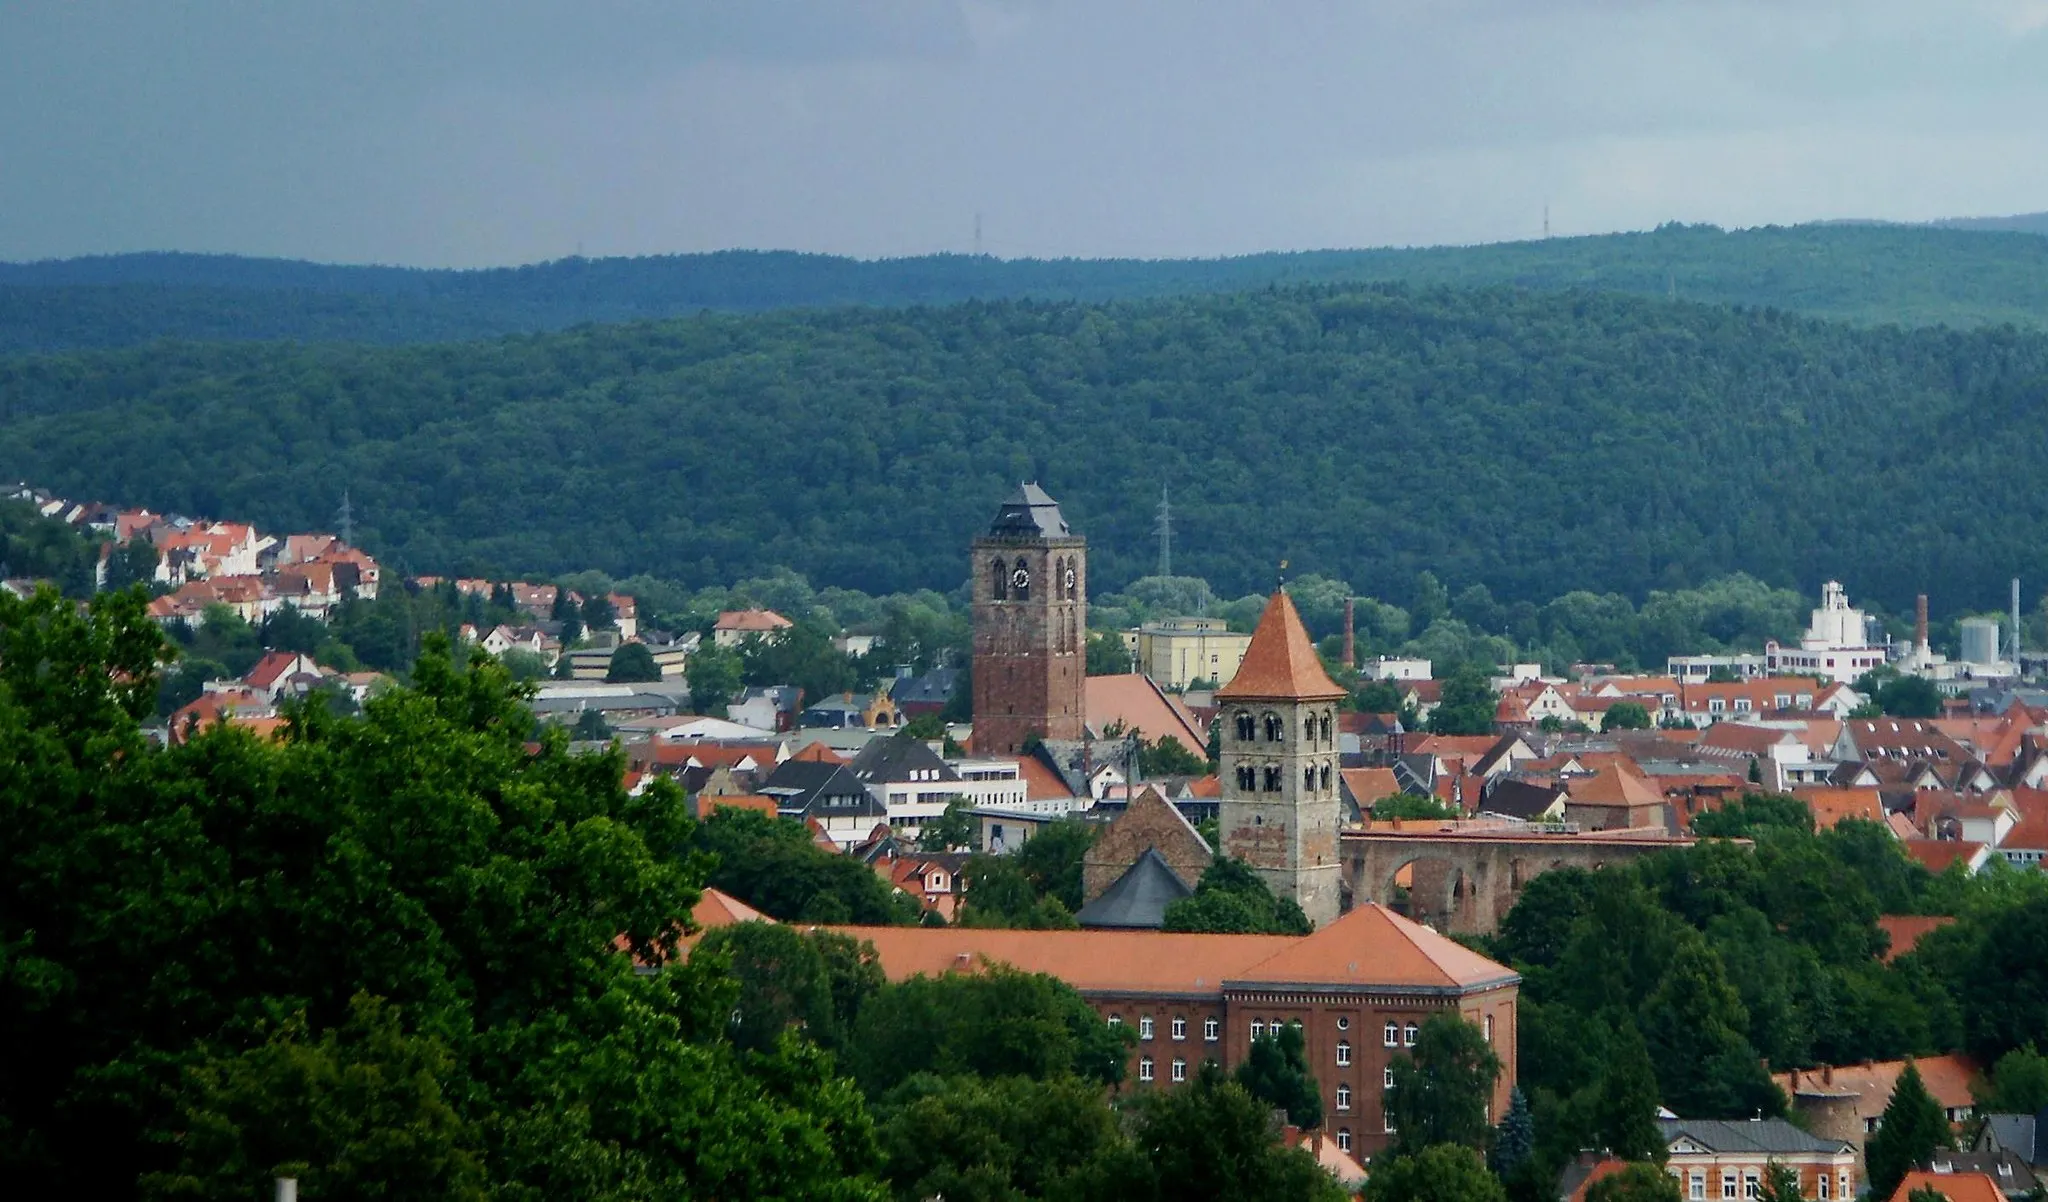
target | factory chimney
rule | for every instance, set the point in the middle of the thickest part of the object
(2015, 622)
(1351, 637)
(1920, 624)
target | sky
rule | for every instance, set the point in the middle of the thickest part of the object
(483, 132)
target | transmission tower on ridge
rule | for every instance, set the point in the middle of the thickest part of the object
(1165, 525)
(344, 520)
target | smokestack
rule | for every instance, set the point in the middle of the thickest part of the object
(1920, 622)
(2015, 622)
(1351, 635)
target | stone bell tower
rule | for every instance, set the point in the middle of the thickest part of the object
(1030, 590)
(1280, 808)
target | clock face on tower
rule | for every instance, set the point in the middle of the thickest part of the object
(1021, 578)
(1070, 580)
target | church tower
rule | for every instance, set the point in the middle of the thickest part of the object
(1278, 730)
(1030, 625)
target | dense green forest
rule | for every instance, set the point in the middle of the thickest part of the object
(1865, 273)
(1530, 442)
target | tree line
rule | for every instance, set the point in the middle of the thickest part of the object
(1869, 274)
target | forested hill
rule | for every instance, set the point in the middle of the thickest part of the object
(1534, 442)
(1867, 274)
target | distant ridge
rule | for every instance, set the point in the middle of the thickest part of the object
(1990, 271)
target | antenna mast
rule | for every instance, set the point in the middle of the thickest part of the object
(1165, 525)
(345, 520)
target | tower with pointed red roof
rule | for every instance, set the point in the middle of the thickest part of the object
(1278, 719)
(1030, 589)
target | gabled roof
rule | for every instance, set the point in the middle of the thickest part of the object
(818, 753)
(1956, 1187)
(1520, 799)
(1614, 785)
(751, 621)
(1907, 930)
(1936, 855)
(1137, 899)
(719, 909)
(798, 786)
(1832, 803)
(1947, 1079)
(1374, 945)
(1031, 513)
(894, 759)
(1137, 702)
(1771, 1137)
(1280, 663)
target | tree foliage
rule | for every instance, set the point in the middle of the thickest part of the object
(1232, 898)
(1443, 1089)
(1275, 1071)
(1912, 1129)
(1640, 1181)
(1442, 1173)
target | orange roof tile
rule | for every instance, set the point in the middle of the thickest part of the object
(719, 909)
(1947, 1078)
(1614, 785)
(1831, 804)
(1956, 1187)
(1935, 855)
(1041, 783)
(1280, 662)
(1139, 704)
(1369, 785)
(818, 753)
(1369, 946)
(1907, 930)
(759, 803)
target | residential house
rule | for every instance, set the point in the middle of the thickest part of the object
(852, 711)
(1523, 801)
(280, 674)
(911, 781)
(767, 707)
(1954, 1186)
(2023, 1135)
(1177, 652)
(1615, 798)
(735, 626)
(1135, 703)
(916, 696)
(1847, 1101)
(2015, 1178)
(1715, 1159)
(827, 795)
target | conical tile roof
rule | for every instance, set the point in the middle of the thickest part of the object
(1280, 663)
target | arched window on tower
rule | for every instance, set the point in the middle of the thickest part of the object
(1000, 576)
(1326, 777)
(1272, 778)
(1247, 777)
(1247, 727)
(1276, 730)
(1308, 778)
(1326, 727)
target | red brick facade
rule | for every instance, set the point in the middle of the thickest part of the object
(1030, 589)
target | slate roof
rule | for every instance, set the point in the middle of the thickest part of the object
(1770, 1137)
(2019, 1134)
(1138, 899)
(892, 760)
(1280, 662)
(933, 688)
(1519, 799)
(1029, 512)
(807, 786)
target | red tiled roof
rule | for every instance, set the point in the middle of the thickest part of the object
(1134, 700)
(1947, 1079)
(1831, 804)
(708, 804)
(1907, 930)
(1280, 662)
(756, 621)
(1041, 783)
(1956, 1187)
(818, 753)
(1614, 785)
(1935, 855)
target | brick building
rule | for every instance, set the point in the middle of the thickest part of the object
(1361, 987)
(1030, 589)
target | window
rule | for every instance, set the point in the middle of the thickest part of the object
(1211, 1030)
(1326, 728)
(1343, 1097)
(1728, 1185)
(1343, 1139)
(1696, 1187)
(1386, 1122)
(1180, 1069)
(1393, 1035)
(1489, 1028)
(1750, 1185)
(1001, 575)
(1276, 730)
(1144, 1068)
(1308, 777)
(1247, 730)
(1145, 1027)
(1247, 777)
(1180, 1028)
(1387, 1077)
(1326, 776)
(1842, 1185)
(1343, 1053)
(1272, 778)
(1116, 1020)
(1258, 1030)
(1408, 1035)
(1821, 1184)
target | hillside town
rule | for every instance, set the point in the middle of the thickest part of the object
(1394, 836)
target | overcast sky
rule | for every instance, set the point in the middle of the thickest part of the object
(474, 132)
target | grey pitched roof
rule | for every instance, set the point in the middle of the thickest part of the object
(1138, 898)
(933, 688)
(1768, 1136)
(1031, 513)
(892, 760)
(1518, 799)
(828, 790)
(2015, 1177)
(2017, 1133)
